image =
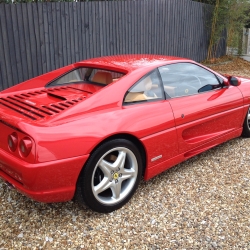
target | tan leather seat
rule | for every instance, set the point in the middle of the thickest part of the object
(170, 90)
(135, 97)
(102, 77)
(147, 83)
(149, 88)
(144, 86)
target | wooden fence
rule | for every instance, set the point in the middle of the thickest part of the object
(36, 38)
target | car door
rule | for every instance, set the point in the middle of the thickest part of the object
(204, 109)
(151, 119)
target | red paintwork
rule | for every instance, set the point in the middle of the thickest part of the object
(62, 140)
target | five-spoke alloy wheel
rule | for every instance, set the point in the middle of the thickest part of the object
(111, 176)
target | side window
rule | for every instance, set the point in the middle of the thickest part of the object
(148, 88)
(182, 79)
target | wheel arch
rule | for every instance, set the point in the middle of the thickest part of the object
(77, 196)
(131, 138)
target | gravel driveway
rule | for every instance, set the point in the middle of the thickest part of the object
(203, 203)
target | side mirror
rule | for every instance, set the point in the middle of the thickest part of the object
(234, 81)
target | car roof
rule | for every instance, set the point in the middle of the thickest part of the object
(131, 62)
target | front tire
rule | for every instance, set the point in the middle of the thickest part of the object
(246, 125)
(111, 176)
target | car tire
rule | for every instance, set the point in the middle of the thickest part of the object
(110, 176)
(246, 125)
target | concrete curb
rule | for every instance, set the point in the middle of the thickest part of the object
(246, 57)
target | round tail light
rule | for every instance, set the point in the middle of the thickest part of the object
(25, 146)
(13, 141)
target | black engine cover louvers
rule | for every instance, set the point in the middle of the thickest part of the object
(21, 104)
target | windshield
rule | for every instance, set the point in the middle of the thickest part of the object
(87, 75)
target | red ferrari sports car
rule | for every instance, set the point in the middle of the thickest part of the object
(92, 129)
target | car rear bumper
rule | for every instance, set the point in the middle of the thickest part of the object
(53, 181)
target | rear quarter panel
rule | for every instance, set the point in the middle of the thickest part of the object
(80, 137)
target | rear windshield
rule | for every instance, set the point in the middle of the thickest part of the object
(87, 75)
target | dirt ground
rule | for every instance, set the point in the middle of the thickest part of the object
(235, 66)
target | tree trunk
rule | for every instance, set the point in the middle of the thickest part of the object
(211, 52)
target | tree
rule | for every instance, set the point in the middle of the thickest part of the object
(247, 13)
(231, 15)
